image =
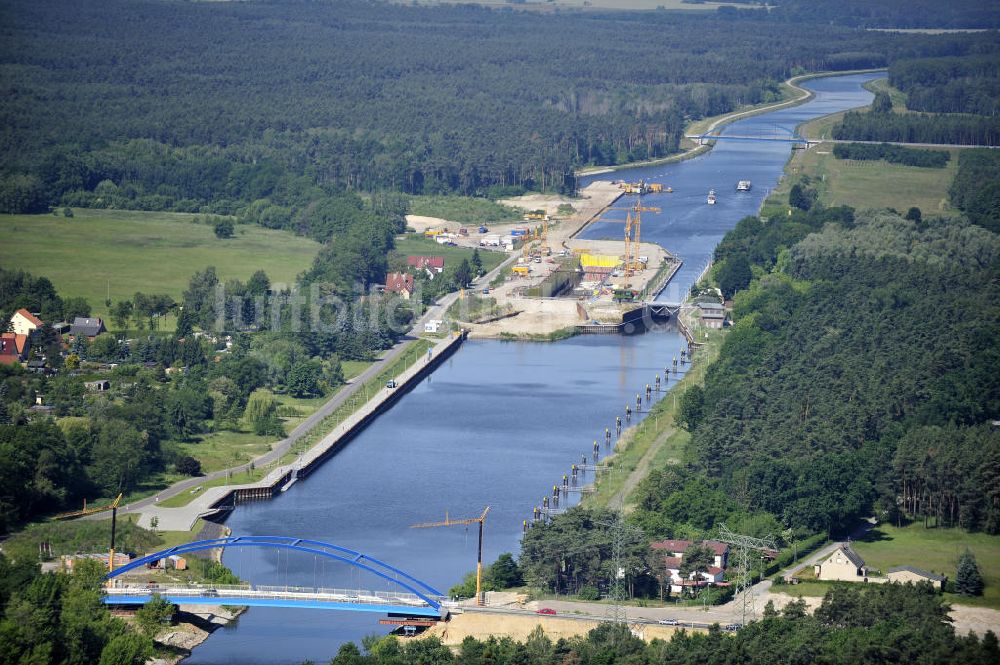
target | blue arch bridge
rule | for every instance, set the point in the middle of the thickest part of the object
(409, 597)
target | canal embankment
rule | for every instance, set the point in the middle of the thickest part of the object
(226, 497)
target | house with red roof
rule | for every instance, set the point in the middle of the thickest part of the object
(13, 348)
(24, 322)
(432, 264)
(673, 558)
(401, 283)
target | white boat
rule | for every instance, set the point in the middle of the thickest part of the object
(711, 197)
(743, 186)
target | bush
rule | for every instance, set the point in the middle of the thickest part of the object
(224, 228)
(67, 212)
(189, 466)
(589, 593)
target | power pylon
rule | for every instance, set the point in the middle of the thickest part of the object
(744, 547)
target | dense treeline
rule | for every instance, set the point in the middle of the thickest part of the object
(882, 14)
(853, 625)
(868, 329)
(284, 105)
(894, 154)
(949, 85)
(59, 618)
(918, 128)
(976, 188)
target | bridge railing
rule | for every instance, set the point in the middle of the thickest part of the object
(272, 591)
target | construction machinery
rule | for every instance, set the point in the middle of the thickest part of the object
(479, 557)
(631, 262)
(114, 526)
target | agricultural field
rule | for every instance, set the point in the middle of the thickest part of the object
(867, 184)
(98, 254)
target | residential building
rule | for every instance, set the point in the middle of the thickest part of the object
(87, 327)
(24, 322)
(432, 263)
(844, 564)
(713, 315)
(14, 348)
(401, 283)
(904, 574)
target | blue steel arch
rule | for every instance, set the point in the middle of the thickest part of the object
(316, 547)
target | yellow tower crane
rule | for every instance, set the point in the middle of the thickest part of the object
(632, 238)
(114, 525)
(479, 557)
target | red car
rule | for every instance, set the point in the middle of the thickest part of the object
(545, 610)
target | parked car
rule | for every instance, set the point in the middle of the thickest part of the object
(390, 384)
(669, 622)
(545, 610)
(733, 627)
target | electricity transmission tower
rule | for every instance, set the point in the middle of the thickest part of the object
(743, 548)
(622, 534)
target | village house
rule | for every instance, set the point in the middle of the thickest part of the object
(432, 264)
(401, 283)
(912, 574)
(24, 322)
(713, 315)
(13, 348)
(673, 559)
(87, 327)
(844, 565)
(100, 386)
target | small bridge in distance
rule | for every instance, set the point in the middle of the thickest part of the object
(413, 599)
(702, 139)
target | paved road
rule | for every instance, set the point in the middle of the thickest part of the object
(282, 447)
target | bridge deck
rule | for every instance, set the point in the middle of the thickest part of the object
(324, 599)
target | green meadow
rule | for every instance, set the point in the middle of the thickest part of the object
(98, 254)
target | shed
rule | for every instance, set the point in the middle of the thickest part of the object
(912, 574)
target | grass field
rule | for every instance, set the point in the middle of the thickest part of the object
(418, 245)
(866, 184)
(936, 550)
(97, 251)
(463, 209)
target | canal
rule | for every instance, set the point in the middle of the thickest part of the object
(498, 424)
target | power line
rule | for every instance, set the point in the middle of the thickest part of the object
(744, 547)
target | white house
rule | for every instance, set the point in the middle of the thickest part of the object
(844, 565)
(24, 322)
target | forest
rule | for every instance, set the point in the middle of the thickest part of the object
(894, 154)
(976, 188)
(859, 378)
(271, 110)
(949, 85)
(919, 128)
(950, 99)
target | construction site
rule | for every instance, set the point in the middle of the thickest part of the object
(556, 282)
